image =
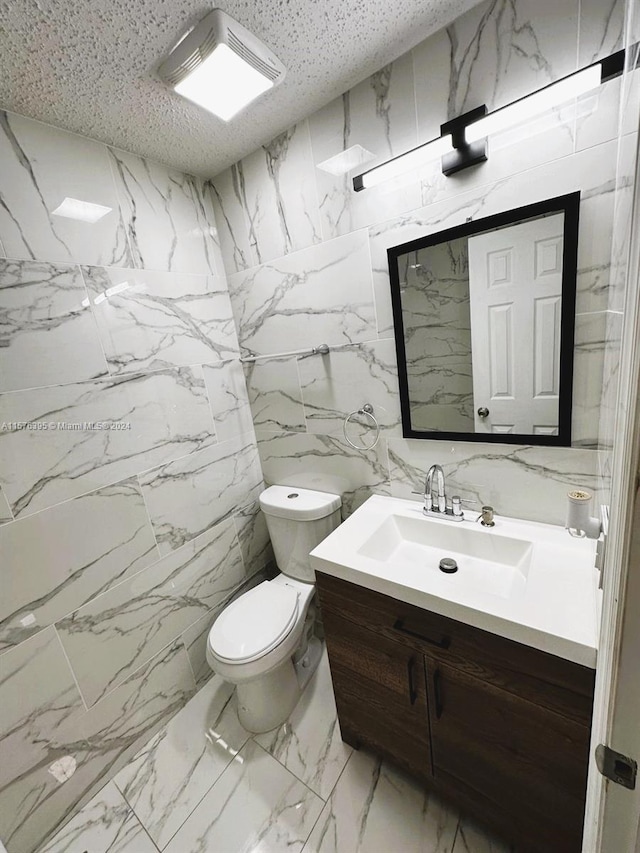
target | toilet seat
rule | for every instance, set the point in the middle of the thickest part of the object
(254, 624)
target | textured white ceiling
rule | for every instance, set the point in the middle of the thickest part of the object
(88, 66)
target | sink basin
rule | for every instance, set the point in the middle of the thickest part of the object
(491, 564)
(523, 580)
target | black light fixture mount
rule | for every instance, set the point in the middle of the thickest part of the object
(464, 153)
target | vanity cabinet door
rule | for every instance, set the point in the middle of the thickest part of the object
(380, 693)
(526, 763)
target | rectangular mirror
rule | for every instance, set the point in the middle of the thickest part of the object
(484, 319)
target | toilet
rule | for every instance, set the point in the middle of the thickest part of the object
(263, 642)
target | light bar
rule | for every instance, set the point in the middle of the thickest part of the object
(414, 159)
(463, 140)
(532, 105)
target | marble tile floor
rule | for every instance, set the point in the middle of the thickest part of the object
(205, 785)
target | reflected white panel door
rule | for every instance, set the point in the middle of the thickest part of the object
(515, 283)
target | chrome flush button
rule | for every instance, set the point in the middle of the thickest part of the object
(293, 495)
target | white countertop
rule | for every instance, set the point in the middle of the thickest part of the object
(551, 606)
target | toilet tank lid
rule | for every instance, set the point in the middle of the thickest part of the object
(298, 504)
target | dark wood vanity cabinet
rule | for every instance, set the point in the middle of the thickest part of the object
(380, 693)
(499, 728)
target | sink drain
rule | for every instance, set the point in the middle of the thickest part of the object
(448, 565)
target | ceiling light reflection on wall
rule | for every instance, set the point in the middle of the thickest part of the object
(221, 66)
(84, 211)
(346, 160)
(111, 291)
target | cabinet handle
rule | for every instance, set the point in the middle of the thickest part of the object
(413, 693)
(443, 643)
(437, 690)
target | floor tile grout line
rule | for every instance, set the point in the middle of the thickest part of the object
(214, 782)
(308, 686)
(327, 801)
(142, 826)
(290, 772)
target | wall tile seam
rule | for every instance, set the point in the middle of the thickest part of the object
(96, 327)
(12, 517)
(235, 517)
(92, 139)
(177, 640)
(96, 598)
(316, 189)
(415, 92)
(44, 509)
(377, 224)
(246, 433)
(24, 516)
(153, 270)
(123, 377)
(216, 197)
(68, 663)
(103, 779)
(149, 520)
(121, 208)
(195, 681)
(374, 301)
(211, 410)
(310, 248)
(480, 189)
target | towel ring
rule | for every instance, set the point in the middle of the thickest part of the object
(367, 410)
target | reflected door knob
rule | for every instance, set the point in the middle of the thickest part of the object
(483, 412)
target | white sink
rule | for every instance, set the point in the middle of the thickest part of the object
(523, 580)
(490, 564)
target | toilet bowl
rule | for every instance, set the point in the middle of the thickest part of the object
(263, 642)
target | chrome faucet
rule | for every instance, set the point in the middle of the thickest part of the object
(440, 504)
(435, 497)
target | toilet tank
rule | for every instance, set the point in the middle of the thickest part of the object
(298, 520)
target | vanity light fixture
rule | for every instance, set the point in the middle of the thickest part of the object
(463, 140)
(221, 66)
(413, 159)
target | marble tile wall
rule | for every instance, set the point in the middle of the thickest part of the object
(324, 277)
(119, 545)
(129, 468)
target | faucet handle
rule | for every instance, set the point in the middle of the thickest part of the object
(456, 504)
(428, 499)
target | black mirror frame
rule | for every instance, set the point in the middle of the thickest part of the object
(568, 204)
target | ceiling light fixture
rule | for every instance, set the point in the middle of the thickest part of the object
(221, 66)
(463, 140)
